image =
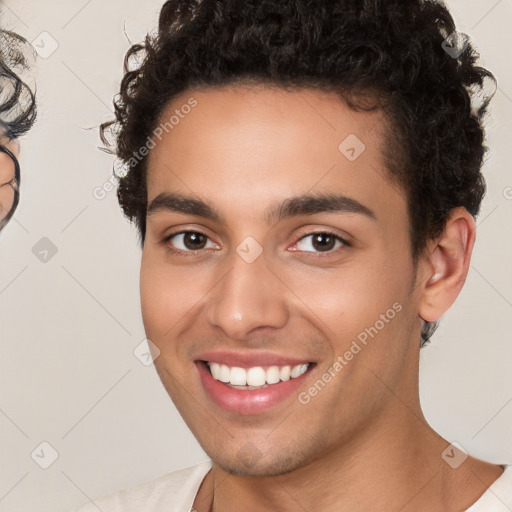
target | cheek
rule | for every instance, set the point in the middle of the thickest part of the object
(168, 294)
(6, 200)
(362, 300)
(157, 303)
(164, 304)
(347, 295)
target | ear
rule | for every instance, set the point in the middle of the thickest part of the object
(445, 265)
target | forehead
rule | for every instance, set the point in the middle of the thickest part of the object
(249, 146)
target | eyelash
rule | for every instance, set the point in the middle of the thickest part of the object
(192, 253)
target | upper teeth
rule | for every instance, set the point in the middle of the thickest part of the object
(256, 376)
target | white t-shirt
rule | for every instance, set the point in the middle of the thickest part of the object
(176, 491)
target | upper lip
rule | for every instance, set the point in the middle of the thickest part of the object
(250, 360)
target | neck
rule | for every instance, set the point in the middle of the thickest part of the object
(395, 467)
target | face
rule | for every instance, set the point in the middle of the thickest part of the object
(7, 179)
(276, 244)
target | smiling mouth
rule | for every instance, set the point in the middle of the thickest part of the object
(257, 377)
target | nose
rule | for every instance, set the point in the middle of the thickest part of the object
(248, 297)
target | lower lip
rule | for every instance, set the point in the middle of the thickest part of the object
(250, 401)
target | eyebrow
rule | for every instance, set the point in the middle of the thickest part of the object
(308, 204)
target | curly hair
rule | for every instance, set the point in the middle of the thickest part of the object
(17, 100)
(402, 57)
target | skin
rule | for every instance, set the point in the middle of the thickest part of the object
(362, 443)
(6, 177)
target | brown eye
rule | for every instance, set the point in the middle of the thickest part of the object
(188, 241)
(193, 240)
(320, 242)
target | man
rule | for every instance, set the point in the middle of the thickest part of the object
(305, 178)
(17, 115)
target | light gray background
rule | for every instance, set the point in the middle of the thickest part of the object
(68, 375)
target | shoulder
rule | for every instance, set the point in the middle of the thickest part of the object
(498, 498)
(171, 492)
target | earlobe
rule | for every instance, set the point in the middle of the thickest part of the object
(446, 265)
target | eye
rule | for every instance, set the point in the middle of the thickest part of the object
(321, 241)
(187, 241)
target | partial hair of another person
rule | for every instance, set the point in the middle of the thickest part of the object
(17, 103)
(17, 99)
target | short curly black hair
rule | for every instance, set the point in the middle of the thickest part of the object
(402, 57)
(18, 110)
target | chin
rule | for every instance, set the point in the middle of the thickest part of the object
(257, 470)
(249, 461)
